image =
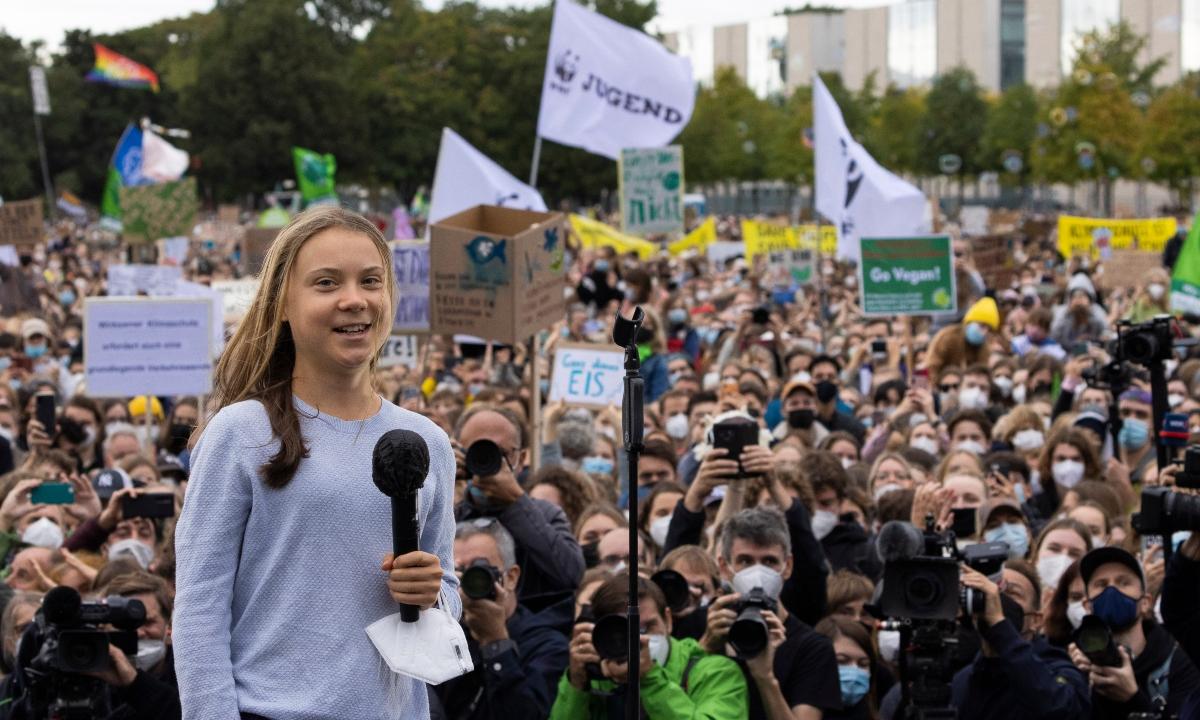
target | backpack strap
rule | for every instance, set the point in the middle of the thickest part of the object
(687, 670)
(1157, 681)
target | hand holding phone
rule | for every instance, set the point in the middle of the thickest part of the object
(45, 413)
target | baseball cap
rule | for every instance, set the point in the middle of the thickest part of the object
(34, 326)
(1105, 555)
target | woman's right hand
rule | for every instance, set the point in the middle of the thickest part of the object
(113, 513)
(932, 499)
(17, 503)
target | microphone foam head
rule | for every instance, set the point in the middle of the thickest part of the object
(899, 540)
(61, 605)
(400, 463)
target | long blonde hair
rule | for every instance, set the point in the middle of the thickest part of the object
(258, 361)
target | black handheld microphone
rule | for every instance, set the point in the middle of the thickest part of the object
(398, 467)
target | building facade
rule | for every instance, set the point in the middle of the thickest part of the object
(1004, 42)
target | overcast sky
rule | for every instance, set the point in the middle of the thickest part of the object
(46, 20)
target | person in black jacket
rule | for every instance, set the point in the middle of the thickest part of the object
(547, 551)
(518, 654)
(1181, 607)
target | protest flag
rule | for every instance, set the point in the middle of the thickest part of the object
(314, 175)
(113, 68)
(465, 177)
(162, 161)
(1185, 277)
(125, 170)
(608, 86)
(855, 193)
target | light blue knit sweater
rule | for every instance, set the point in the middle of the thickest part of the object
(276, 587)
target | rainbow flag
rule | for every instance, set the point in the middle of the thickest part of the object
(113, 68)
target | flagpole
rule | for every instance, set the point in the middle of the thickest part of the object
(37, 127)
(537, 157)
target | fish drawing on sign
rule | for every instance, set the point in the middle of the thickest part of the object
(551, 246)
(488, 262)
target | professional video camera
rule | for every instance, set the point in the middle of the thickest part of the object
(922, 597)
(65, 640)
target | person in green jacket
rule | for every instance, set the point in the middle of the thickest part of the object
(678, 679)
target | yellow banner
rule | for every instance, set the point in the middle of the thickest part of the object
(593, 234)
(763, 237)
(822, 238)
(697, 239)
(1099, 236)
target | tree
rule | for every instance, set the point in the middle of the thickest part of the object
(1011, 128)
(894, 132)
(1171, 138)
(729, 133)
(953, 124)
(19, 176)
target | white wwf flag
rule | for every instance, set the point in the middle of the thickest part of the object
(609, 87)
(855, 193)
(466, 177)
(162, 161)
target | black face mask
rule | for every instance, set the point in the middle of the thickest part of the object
(801, 419)
(177, 439)
(826, 391)
(72, 431)
(1041, 388)
(591, 554)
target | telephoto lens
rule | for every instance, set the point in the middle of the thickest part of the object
(479, 580)
(484, 458)
(610, 637)
(749, 633)
(1094, 639)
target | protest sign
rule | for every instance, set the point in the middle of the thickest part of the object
(254, 247)
(651, 190)
(788, 259)
(994, 259)
(410, 262)
(1099, 237)
(586, 374)
(156, 346)
(399, 350)
(497, 273)
(236, 296)
(173, 251)
(153, 280)
(909, 275)
(1185, 276)
(594, 234)
(150, 212)
(973, 219)
(698, 239)
(763, 237)
(9, 256)
(189, 289)
(722, 250)
(21, 223)
(228, 214)
(1127, 268)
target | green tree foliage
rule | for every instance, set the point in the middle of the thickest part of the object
(954, 121)
(1171, 139)
(1011, 127)
(894, 132)
(18, 148)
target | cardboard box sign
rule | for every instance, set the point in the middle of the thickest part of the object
(497, 273)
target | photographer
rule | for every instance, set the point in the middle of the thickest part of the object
(679, 681)
(1181, 606)
(793, 676)
(518, 654)
(1154, 672)
(1012, 676)
(549, 555)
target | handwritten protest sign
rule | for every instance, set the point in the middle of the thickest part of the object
(994, 259)
(399, 350)
(651, 189)
(588, 375)
(150, 212)
(21, 223)
(1099, 237)
(156, 346)
(410, 261)
(911, 275)
(1127, 268)
(154, 280)
(236, 296)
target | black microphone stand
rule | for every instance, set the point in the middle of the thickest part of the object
(632, 418)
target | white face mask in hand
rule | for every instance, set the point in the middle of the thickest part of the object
(433, 649)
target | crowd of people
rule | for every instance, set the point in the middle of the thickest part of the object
(760, 572)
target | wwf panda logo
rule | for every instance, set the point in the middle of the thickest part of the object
(565, 65)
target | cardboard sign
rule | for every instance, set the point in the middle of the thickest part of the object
(1100, 237)
(153, 280)
(994, 259)
(721, 250)
(973, 219)
(156, 346)
(410, 262)
(907, 276)
(229, 214)
(497, 273)
(1127, 268)
(651, 189)
(590, 375)
(399, 350)
(236, 296)
(150, 212)
(255, 244)
(21, 223)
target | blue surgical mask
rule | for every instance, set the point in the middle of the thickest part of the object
(544, 386)
(855, 683)
(1012, 533)
(975, 334)
(596, 464)
(677, 316)
(5, 362)
(1115, 608)
(67, 297)
(33, 352)
(600, 265)
(1134, 433)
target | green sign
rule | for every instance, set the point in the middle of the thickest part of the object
(314, 174)
(651, 183)
(907, 276)
(158, 211)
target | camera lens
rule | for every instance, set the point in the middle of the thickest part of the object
(610, 637)
(484, 458)
(674, 587)
(479, 582)
(1140, 348)
(1093, 638)
(1182, 511)
(748, 634)
(923, 591)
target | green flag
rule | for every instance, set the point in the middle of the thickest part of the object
(1185, 278)
(110, 202)
(314, 173)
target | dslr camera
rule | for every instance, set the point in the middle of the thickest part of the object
(1146, 343)
(1164, 512)
(749, 634)
(479, 580)
(65, 640)
(483, 459)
